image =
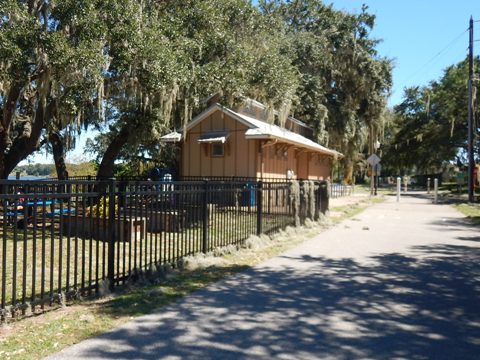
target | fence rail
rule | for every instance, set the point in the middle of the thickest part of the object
(65, 239)
(340, 190)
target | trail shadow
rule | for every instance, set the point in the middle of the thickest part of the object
(464, 223)
(455, 223)
(395, 306)
(143, 296)
(469, 238)
(443, 198)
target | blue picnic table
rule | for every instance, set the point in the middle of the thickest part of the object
(19, 214)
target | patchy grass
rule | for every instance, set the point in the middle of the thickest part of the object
(47, 253)
(382, 189)
(454, 188)
(471, 211)
(340, 213)
(39, 336)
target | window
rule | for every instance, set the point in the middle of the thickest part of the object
(214, 142)
(218, 149)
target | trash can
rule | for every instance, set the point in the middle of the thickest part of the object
(248, 197)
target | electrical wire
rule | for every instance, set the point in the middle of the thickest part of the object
(454, 41)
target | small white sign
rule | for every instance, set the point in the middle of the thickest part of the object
(373, 160)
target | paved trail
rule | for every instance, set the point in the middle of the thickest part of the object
(399, 281)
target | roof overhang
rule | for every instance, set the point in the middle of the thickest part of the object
(301, 142)
(173, 137)
(213, 137)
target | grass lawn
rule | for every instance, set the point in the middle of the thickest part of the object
(36, 337)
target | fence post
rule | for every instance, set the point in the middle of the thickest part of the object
(259, 207)
(111, 233)
(326, 197)
(318, 200)
(205, 217)
(435, 190)
(399, 185)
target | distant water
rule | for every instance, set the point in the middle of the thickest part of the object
(27, 177)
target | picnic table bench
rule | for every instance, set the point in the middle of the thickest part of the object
(21, 217)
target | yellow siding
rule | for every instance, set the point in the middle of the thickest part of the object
(217, 164)
(248, 158)
(230, 159)
(319, 167)
(241, 153)
(194, 159)
(277, 160)
(217, 121)
(303, 166)
(239, 157)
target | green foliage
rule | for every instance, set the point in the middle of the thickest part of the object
(102, 208)
(343, 83)
(180, 53)
(48, 170)
(430, 126)
(40, 170)
(51, 64)
(135, 70)
(82, 169)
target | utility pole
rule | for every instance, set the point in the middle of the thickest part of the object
(371, 151)
(471, 160)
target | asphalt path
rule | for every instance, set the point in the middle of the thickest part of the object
(398, 281)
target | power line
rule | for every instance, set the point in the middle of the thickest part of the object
(448, 46)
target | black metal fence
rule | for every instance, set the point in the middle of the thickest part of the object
(65, 239)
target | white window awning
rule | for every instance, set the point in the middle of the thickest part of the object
(172, 137)
(214, 137)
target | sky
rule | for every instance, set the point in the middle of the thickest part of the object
(423, 37)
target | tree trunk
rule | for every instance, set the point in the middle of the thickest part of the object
(347, 166)
(28, 143)
(105, 169)
(348, 173)
(58, 155)
(6, 121)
